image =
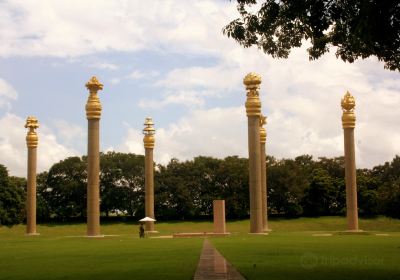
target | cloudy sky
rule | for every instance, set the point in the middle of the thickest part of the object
(169, 60)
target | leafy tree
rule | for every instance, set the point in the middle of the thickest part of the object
(185, 190)
(319, 195)
(358, 29)
(306, 164)
(232, 181)
(194, 184)
(43, 209)
(368, 202)
(389, 199)
(174, 198)
(203, 184)
(367, 185)
(122, 183)
(12, 198)
(388, 177)
(3, 176)
(334, 166)
(66, 184)
(19, 184)
(286, 184)
(335, 169)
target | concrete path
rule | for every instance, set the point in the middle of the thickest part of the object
(213, 266)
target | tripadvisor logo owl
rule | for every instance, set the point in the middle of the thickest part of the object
(308, 260)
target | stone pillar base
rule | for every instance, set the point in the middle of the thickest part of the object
(95, 236)
(32, 234)
(258, 233)
(354, 232)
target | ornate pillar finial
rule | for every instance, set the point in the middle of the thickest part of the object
(93, 85)
(31, 137)
(252, 82)
(148, 132)
(263, 132)
(348, 104)
(93, 105)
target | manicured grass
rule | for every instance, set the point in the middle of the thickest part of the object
(54, 256)
(289, 252)
(323, 224)
(303, 256)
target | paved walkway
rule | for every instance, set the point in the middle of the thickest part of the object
(213, 266)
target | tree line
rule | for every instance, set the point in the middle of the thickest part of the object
(185, 189)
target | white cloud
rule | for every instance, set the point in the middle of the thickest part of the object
(301, 98)
(191, 86)
(74, 28)
(220, 77)
(137, 75)
(105, 65)
(222, 132)
(191, 99)
(115, 81)
(217, 132)
(133, 142)
(7, 92)
(308, 94)
(71, 135)
(67, 28)
(13, 146)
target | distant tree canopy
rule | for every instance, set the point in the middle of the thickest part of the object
(62, 191)
(186, 189)
(12, 198)
(358, 28)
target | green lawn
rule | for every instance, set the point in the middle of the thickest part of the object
(302, 256)
(56, 255)
(288, 252)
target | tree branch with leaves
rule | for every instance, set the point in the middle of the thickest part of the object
(357, 28)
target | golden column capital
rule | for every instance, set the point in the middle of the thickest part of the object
(31, 137)
(148, 132)
(348, 104)
(263, 132)
(252, 82)
(93, 105)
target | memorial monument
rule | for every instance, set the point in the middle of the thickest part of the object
(349, 123)
(32, 143)
(219, 216)
(148, 141)
(252, 82)
(264, 193)
(93, 113)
